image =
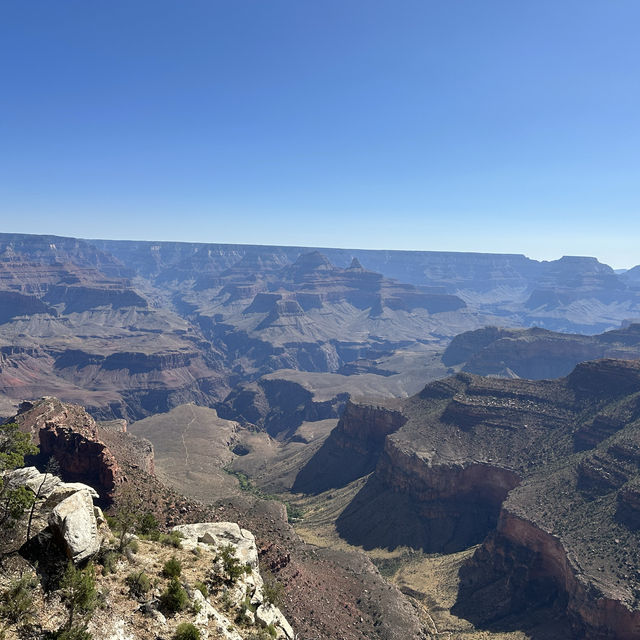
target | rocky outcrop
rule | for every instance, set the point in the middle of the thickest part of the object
(77, 298)
(536, 353)
(351, 450)
(68, 434)
(73, 520)
(523, 566)
(278, 406)
(63, 509)
(270, 616)
(221, 535)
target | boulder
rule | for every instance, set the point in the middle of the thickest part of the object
(219, 534)
(73, 521)
(208, 614)
(30, 477)
(268, 614)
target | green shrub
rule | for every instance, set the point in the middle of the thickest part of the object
(245, 607)
(78, 593)
(259, 634)
(154, 536)
(172, 568)
(272, 590)
(148, 524)
(231, 566)
(16, 602)
(294, 512)
(202, 588)
(16, 502)
(173, 539)
(271, 630)
(174, 598)
(109, 561)
(74, 633)
(186, 631)
(138, 583)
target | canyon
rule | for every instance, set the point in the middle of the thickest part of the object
(542, 475)
(406, 407)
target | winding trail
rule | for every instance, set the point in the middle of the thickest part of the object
(184, 431)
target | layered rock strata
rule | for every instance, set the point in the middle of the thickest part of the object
(511, 460)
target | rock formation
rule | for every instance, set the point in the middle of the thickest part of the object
(536, 353)
(64, 510)
(510, 459)
(69, 435)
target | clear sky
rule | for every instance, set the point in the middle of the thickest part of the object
(473, 125)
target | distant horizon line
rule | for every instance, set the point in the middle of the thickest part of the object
(314, 247)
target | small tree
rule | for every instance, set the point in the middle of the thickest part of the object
(78, 593)
(186, 631)
(174, 598)
(16, 602)
(14, 446)
(148, 524)
(172, 568)
(231, 566)
(126, 516)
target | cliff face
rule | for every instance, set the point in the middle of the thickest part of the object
(68, 434)
(536, 353)
(351, 450)
(439, 507)
(278, 406)
(522, 566)
(545, 473)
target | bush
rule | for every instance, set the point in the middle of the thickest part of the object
(173, 539)
(202, 588)
(175, 598)
(272, 590)
(172, 568)
(148, 524)
(78, 593)
(231, 565)
(16, 602)
(138, 584)
(133, 546)
(74, 633)
(245, 608)
(109, 561)
(260, 634)
(186, 631)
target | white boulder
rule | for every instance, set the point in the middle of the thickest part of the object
(219, 534)
(268, 614)
(74, 522)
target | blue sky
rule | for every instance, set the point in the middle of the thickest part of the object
(493, 125)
